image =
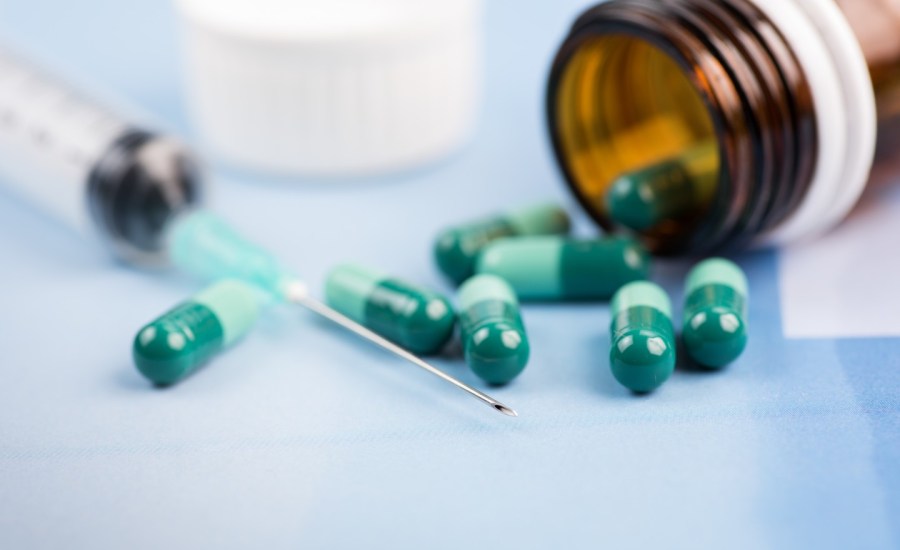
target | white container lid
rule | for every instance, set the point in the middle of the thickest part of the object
(332, 87)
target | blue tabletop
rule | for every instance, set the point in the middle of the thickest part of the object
(305, 437)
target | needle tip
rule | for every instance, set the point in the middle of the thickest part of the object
(504, 409)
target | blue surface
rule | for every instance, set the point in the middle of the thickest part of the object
(305, 437)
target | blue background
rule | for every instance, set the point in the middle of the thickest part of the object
(305, 437)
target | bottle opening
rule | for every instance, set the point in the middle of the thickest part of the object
(636, 138)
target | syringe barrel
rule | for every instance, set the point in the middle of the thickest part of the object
(87, 165)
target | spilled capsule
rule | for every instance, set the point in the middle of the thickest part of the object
(715, 313)
(493, 335)
(642, 353)
(416, 318)
(181, 340)
(457, 248)
(558, 268)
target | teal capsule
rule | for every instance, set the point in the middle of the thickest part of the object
(554, 268)
(187, 336)
(669, 190)
(416, 318)
(642, 355)
(715, 313)
(643, 198)
(493, 335)
(457, 248)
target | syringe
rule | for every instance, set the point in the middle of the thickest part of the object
(140, 191)
(89, 167)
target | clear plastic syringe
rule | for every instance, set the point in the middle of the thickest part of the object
(86, 165)
(140, 191)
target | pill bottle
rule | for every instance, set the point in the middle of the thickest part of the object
(771, 109)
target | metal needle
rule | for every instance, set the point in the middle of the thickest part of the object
(297, 293)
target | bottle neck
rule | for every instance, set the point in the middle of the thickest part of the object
(747, 79)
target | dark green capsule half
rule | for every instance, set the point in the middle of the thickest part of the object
(493, 335)
(715, 313)
(418, 319)
(558, 268)
(181, 340)
(456, 249)
(642, 353)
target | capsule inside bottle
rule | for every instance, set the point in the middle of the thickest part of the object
(668, 192)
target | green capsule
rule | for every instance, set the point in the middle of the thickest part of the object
(715, 313)
(416, 318)
(457, 248)
(553, 268)
(642, 199)
(184, 338)
(669, 190)
(494, 340)
(642, 355)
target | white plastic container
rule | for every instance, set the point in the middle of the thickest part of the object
(337, 87)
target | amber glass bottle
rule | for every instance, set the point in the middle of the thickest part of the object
(756, 119)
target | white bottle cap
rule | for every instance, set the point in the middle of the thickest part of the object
(332, 87)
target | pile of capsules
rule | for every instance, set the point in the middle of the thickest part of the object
(527, 254)
(496, 262)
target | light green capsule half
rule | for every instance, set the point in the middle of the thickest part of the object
(532, 265)
(348, 287)
(642, 352)
(178, 342)
(457, 248)
(494, 340)
(717, 271)
(237, 305)
(558, 268)
(641, 293)
(418, 319)
(485, 287)
(541, 219)
(715, 313)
